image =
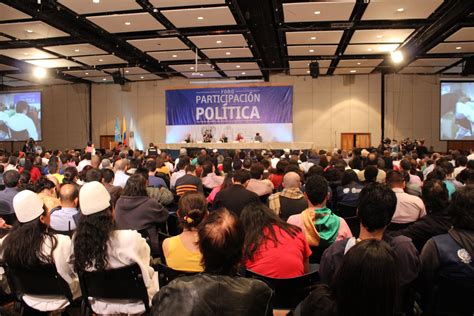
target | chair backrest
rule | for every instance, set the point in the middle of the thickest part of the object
(10, 219)
(161, 237)
(344, 210)
(124, 283)
(452, 297)
(264, 198)
(288, 293)
(168, 274)
(43, 280)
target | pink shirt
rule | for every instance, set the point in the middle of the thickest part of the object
(260, 187)
(409, 209)
(343, 233)
(212, 180)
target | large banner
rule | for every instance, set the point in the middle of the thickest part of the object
(230, 111)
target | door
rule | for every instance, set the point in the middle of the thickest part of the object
(347, 141)
(355, 140)
(362, 140)
(105, 141)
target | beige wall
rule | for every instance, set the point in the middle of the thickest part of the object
(323, 107)
(65, 116)
(412, 108)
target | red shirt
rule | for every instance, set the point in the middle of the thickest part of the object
(283, 260)
(276, 179)
(35, 173)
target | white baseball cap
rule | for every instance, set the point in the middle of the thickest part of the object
(28, 206)
(93, 198)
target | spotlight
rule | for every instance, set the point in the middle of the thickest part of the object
(397, 56)
(39, 72)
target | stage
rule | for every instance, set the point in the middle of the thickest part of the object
(242, 145)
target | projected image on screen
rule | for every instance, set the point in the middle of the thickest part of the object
(457, 111)
(20, 116)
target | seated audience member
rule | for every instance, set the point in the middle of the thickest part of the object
(189, 182)
(70, 175)
(98, 246)
(93, 175)
(86, 161)
(162, 195)
(267, 237)
(370, 175)
(136, 210)
(181, 170)
(161, 166)
(436, 222)
(154, 181)
(439, 173)
(236, 197)
(447, 261)
(32, 169)
(449, 169)
(221, 238)
(62, 218)
(291, 200)
(405, 165)
(182, 251)
(209, 177)
(366, 284)
(257, 184)
(373, 161)
(305, 164)
(46, 190)
(410, 208)
(319, 224)
(227, 183)
(30, 245)
(53, 169)
(107, 180)
(10, 180)
(461, 163)
(121, 177)
(348, 191)
(277, 176)
(377, 204)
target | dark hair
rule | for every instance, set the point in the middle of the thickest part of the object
(44, 183)
(150, 165)
(53, 167)
(207, 168)
(281, 166)
(363, 289)
(348, 177)
(183, 162)
(194, 206)
(447, 166)
(69, 174)
(190, 168)
(462, 207)
(135, 186)
(221, 238)
(247, 163)
(315, 170)
(260, 224)
(461, 161)
(395, 177)
(241, 176)
(370, 173)
(11, 178)
(23, 246)
(90, 241)
(256, 170)
(107, 175)
(237, 164)
(93, 175)
(227, 165)
(320, 302)
(316, 189)
(435, 196)
(377, 204)
(405, 164)
(438, 173)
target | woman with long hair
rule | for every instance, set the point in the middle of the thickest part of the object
(30, 245)
(182, 251)
(267, 237)
(136, 210)
(366, 284)
(98, 245)
(348, 191)
(46, 190)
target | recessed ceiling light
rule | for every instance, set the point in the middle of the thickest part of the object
(358, 63)
(101, 60)
(155, 10)
(86, 73)
(95, 1)
(202, 75)
(128, 23)
(400, 9)
(200, 18)
(127, 71)
(29, 31)
(307, 71)
(192, 68)
(317, 12)
(369, 49)
(26, 54)
(379, 36)
(311, 50)
(313, 38)
(227, 53)
(459, 47)
(218, 42)
(174, 56)
(141, 77)
(353, 70)
(238, 66)
(104, 79)
(243, 73)
(77, 51)
(39, 72)
(397, 56)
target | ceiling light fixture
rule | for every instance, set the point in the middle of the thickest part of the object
(95, 1)
(369, 49)
(86, 73)
(317, 12)
(218, 42)
(400, 9)
(39, 72)
(26, 54)
(307, 71)
(104, 79)
(397, 56)
(128, 23)
(313, 38)
(192, 68)
(127, 71)
(243, 73)
(155, 10)
(141, 77)
(353, 71)
(459, 47)
(77, 50)
(227, 53)
(379, 36)
(200, 18)
(311, 50)
(174, 56)
(29, 31)
(238, 66)
(101, 60)
(358, 63)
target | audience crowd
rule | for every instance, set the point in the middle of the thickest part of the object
(389, 230)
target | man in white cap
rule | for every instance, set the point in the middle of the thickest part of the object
(123, 247)
(34, 222)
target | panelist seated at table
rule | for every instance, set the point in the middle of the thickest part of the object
(188, 138)
(223, 139)
(239, 137)
(258, 138)
(207, 137)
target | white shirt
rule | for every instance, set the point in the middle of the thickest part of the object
(470, 157)
(120, 179)
(20, 122)
(82, 164)
(274, 162)
(175, 176)
(306, 165)
(126, 247)
(409, 209)
(458, 171)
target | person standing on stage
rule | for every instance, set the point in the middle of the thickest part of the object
(239, 137)
(258, 138)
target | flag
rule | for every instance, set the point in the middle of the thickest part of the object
(117, 132)
(132, 136)
(124, 133)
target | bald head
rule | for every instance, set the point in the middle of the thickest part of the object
(121, 164)
(291, 180)
(95, 162)
(68, 195)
